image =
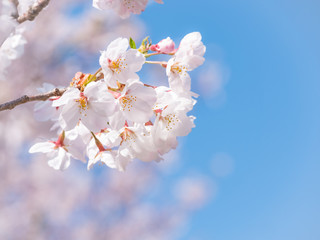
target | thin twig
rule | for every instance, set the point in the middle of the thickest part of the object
(24, 99)
(157, 53)
(151, 54)
(33, 11)
(156, 62)
(99, 70)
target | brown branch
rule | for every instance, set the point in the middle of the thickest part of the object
(33, 11)
(25, 99)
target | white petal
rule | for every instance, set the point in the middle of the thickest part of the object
(194, 62)
(61, 161)
(70, 94)
(110, 139)
(69, 116)
(135, 60)
(108, 158)
(105, 109)
(43, 147)
(93, 121)
(96, 90)
(117, 47)
(126, 76)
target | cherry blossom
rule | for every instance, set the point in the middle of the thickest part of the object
(120, 64)
(92, 107)
(12, 48)
(136, 102)
(56, 151)
(166, 96)
(179, 79)
(191, 50)
(169, 124)
(188, 57)
(98, 153)
(137, 142)
(123, 7)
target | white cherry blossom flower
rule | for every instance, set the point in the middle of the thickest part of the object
(122, 7)
(188, 57)
(92, 107)
(191, 50)
(76, 140)
(58, 152)
(171, 120)
(120, 64)
(79, 132)
(13, 46)
(98, 153)
(137, 141)
(166, 96)
(151, 152)
(179, 79)
(136, 102)
(170, 123)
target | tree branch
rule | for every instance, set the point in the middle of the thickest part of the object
(33, 11)
(25, 99)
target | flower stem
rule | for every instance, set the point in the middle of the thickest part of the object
(95, 74)
(151, 54)
(156, 62)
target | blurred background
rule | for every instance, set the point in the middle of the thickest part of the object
(248, 171)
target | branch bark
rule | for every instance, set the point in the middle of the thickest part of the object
(33, 11)
(24, 99)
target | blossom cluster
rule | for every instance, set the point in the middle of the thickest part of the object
(11, 39)
(123, 7)
(112, 117)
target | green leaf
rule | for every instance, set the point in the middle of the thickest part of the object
(132, 44)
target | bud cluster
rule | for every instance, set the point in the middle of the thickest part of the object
(112, 117)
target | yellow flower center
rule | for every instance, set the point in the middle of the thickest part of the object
(178, 68)
(117, 65)
(83, 102)
(128, 135)
(127, 101)
(171, 120)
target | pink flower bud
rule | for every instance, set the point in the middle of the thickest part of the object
(165, 46)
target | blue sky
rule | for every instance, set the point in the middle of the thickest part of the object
(269, 123)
